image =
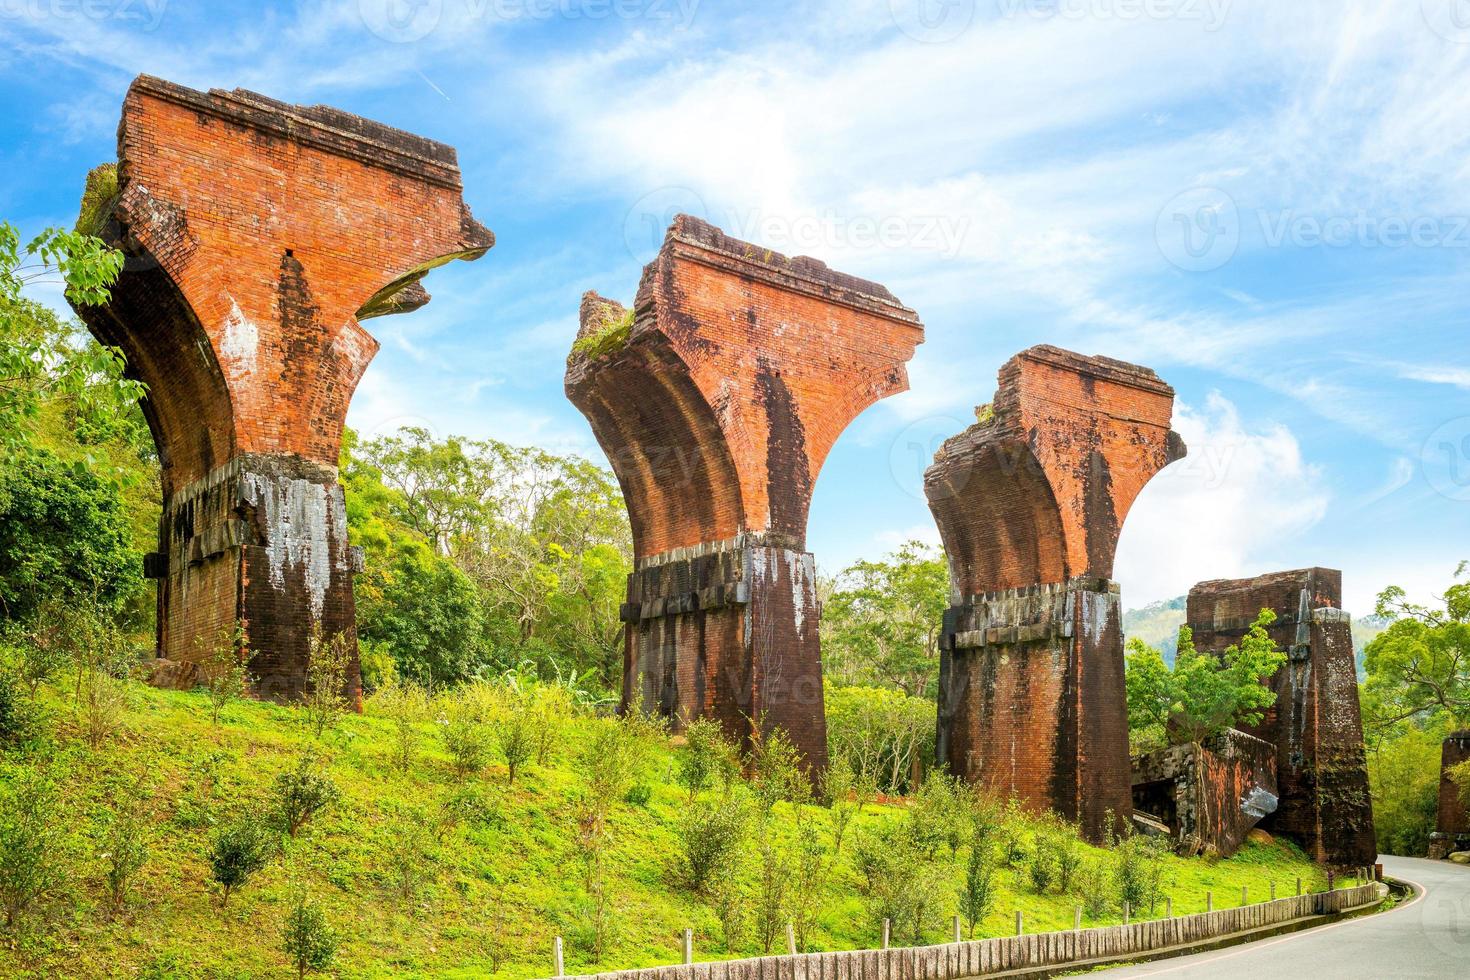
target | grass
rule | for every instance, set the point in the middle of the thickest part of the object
(100, 191)
(612, 335)
(500, 887)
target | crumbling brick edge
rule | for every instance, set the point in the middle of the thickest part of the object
(1041, 954)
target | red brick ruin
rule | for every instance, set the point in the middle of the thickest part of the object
(1208, 795)
(1315, 723)
(1452, 824)
(1030, 502)
(258, 235)
(717, 406)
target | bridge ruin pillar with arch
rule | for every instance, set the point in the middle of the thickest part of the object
(1030, 502)
(258, 235)
(717, 398)
(1316, 723)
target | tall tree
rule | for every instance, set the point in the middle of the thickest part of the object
(1419, 667)
(882, 620)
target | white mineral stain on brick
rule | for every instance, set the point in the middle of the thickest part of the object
(302, 519)
(239, 342)
(350, 343)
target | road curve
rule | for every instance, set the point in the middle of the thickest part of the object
(1427, 936)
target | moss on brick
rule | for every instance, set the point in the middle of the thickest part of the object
(611, 336)
(97, 198)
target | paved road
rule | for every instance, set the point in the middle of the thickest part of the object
(1427, 936)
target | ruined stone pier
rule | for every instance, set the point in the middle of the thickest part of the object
(258, 235)
(717, 398)
(1030, 502)
(1315, 723)
(1452, 820)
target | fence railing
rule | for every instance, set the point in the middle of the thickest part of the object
(963, 960)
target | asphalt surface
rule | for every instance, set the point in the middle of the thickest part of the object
(1426, 936)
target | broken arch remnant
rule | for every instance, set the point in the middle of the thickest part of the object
(1030, 501)
(716, 399)
(1315, 724)
(257, 235)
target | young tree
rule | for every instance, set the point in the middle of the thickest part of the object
(516, 736)
(707, 756)
(977, 891)
(1203, 695)
(881, 623)
(125, 849)
(302, 794)
(33, 845)
(325, 700)
(237, 852)
(223, 665)
(309, 942)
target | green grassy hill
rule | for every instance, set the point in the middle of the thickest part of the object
(496, 885)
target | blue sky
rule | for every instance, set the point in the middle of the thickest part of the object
(1266, 202)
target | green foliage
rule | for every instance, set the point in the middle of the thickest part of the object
(901, 880)
(33, 843)
(406, 706)
(223, 666)
(1419, 666)
(97, 198)
(516, 735)
(609, 336)
(1202, 695)
(64, 536)
(777, 772)
(240, 849)
(1403, 779)
(711, 835)
(881, 624)
(879, 732)
(708, 756)
(308, 941)
(1095, 887)
(977, 891)
(39, 360)
(301, 794)
(325, 699)
(125, 850)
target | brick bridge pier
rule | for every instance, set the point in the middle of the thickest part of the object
(1030, 502)
(258, 235)
(717, 405)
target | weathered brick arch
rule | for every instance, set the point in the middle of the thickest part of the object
(738, 371)
(1030, 501)
(258, 235)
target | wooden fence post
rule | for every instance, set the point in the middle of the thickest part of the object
(688, 946)
(1209, 901)
(790, 939)
(1245, 896)
(1127, 913)
(1169, 908)
(1299, 886)
(561, 969)
(1020, 925)
(957, 935)
(1273, 891)
(1077, 919)
(887, 930)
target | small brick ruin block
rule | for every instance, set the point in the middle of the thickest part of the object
(1315, 723)
(1030, 502)
(1209, 794)
(717, 399)
(258, 234)
(1452, 823)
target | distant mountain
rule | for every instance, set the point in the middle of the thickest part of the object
(1157, 624)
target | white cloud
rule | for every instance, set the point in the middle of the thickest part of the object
(1224, 511)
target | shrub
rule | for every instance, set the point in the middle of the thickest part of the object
(550, 709)
(936, 814)
(328, 659)
(1043, 868)
(1068, 849)
(516, 737)
(708, 756)
(32, 843)
(900, 880)
(638, 794)
(1095, 888)
(406, 705)
(301, 794)
(777, 773)
(711, 836)
(16, 717)
(847, 795)
(308, 940)
(238, 851)
(223, 666)
(125, 851)
(103, 700)
(465, 736)
(977, 891)
(406, 842)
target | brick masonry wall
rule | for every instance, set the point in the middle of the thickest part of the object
(258, 234)
(740, 370)
(1030, 503)
(1453, 818)
(960, 961)
(1219, 790)
(1315, 723)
